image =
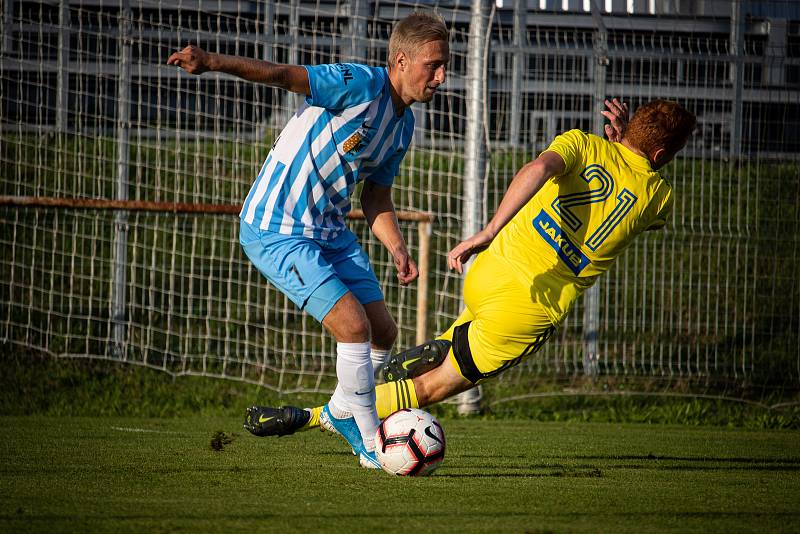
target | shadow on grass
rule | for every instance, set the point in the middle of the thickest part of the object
(712, 459)
(609, 463)
(591, 473)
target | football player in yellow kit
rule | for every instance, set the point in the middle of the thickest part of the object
(563, 221)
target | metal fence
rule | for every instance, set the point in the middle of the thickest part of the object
(90, 110)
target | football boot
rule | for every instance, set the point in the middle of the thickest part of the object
(265, 421)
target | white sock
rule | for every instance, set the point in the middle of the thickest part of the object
(338, 404)
(378, 357)
(356, 389)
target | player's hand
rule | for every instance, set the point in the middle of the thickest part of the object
(407, 270)
(192, 59)
(462, 252)
(617, 113)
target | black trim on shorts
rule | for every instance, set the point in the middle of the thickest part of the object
(463, 354)
(466, 363)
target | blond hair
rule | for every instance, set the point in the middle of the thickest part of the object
(415, 30)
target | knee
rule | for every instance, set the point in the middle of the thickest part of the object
(347, 321)
(385, 334)
(356, 331)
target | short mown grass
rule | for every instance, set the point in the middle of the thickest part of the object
(206, 474)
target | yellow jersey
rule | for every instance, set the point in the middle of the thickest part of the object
(579, 222)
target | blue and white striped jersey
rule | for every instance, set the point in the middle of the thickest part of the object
(346, 131)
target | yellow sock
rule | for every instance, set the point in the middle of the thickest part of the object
(393, 396)
(389, 398)
(313, 421)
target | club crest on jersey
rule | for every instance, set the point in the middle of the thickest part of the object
(551, 232)
(354, 144)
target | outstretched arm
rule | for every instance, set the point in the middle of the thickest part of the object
(195, 60)
(524, 186)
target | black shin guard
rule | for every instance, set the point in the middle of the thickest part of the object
(416, 361)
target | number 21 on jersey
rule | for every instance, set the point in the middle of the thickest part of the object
(601, 187)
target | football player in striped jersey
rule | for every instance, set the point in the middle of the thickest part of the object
(354, 125)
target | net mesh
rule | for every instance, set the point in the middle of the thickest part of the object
(90, 110)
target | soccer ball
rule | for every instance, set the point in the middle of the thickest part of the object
(410, 442)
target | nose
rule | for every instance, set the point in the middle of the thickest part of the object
(440, 75)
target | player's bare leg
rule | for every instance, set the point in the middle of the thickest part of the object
(382, 327)
(439, 384)
(415, 361)
(351, 410)
(384, 333)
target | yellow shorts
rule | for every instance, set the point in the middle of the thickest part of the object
(501, 325)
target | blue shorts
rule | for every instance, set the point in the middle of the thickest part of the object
(313, 273)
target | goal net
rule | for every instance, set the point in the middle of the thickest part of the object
(90, 111)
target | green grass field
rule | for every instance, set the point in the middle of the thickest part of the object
(121, 474)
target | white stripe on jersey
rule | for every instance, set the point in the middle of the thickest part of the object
(396, 131)
(279, 153)
(304, 186)
(304, 174)
(261, 188)
(242, 214)
(388, 111)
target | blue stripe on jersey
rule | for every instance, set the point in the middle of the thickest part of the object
(274, 179)
(253, 189)
(323, 152)
(330, 198)
(302, 205)
(276, 219)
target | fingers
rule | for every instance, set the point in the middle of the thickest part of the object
(411, 273)
(457, 257)
(407, 270)
(455, 265)
(617, 114)
(174, 59)
(181, 55)
(617, 108)
(191, 59)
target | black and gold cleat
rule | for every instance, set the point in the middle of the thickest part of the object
(416, 361)
(265, 421)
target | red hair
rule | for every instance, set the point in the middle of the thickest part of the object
(660, 124)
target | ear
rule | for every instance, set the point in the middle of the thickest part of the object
(401, 60)
(657, 155)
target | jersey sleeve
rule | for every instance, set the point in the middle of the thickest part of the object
(661, 217)
(342, 85)
(570, 146)
(385, 174)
